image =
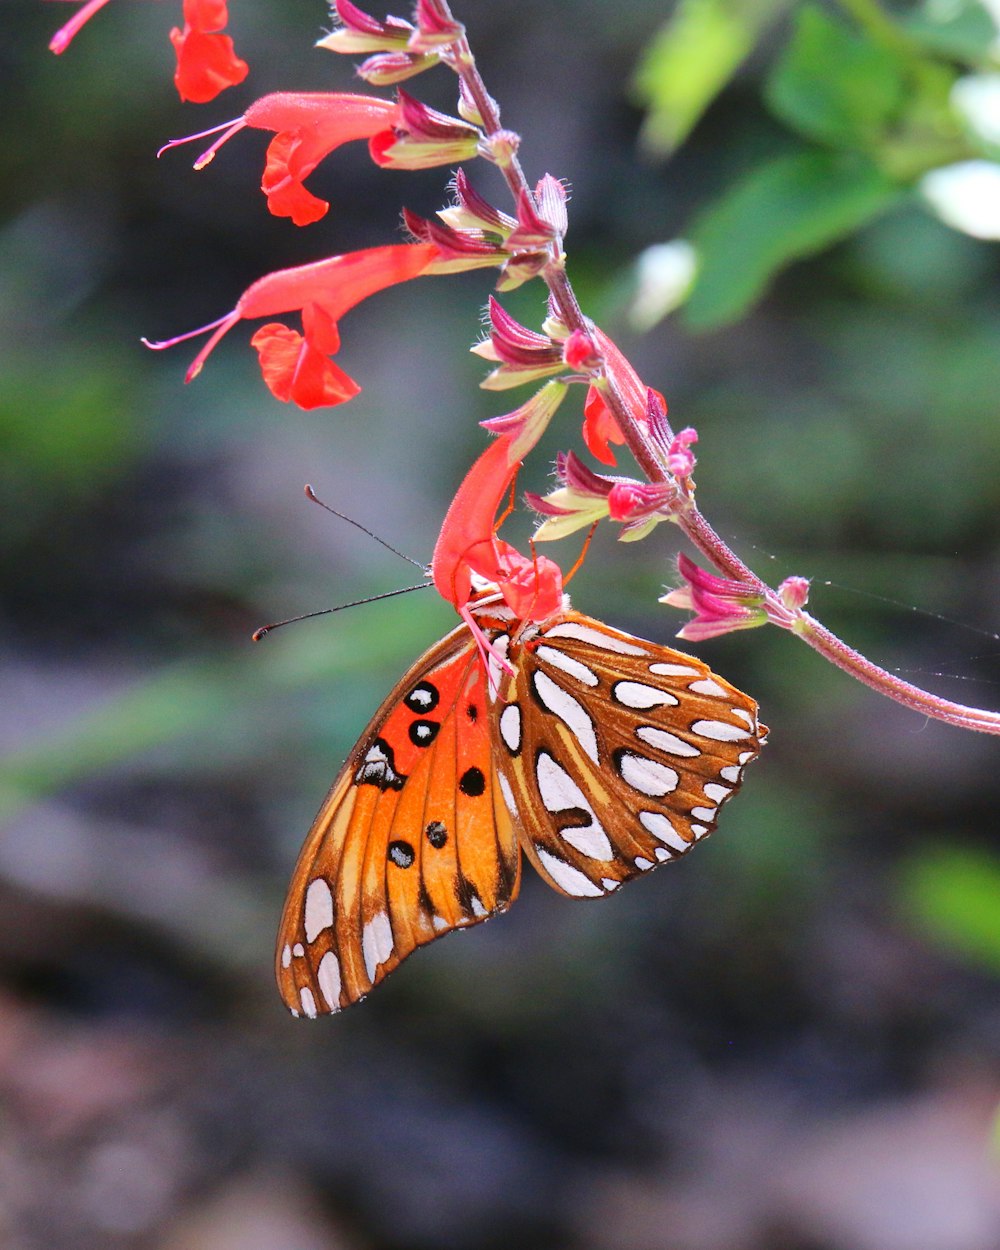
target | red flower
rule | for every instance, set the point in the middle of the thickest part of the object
(295, 367)
(308, 126)
(468, 547)
(206, 59)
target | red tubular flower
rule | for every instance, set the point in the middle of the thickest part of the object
(295, 367)
(206, 59)
(468, 547)
(308, 126)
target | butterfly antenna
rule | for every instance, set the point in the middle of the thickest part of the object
(311, 494)
(258, 634)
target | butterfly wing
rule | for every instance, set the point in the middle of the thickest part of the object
(615, 753)
(413, 840)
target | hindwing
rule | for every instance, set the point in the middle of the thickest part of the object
(615, 754)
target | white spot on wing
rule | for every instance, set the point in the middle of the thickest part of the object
(571, 667)
(477, 908)
(510, 726)
(664, 741)
(569, 710)
(559, 793)
(732, 772)
(308, 1002)
(674, 670)
(376, 943)
(709, 687)
(715, 792)
(298, 950)
(704, 813)
(638, 695)
(597, 637)
(699, 831)
(660, 827)
(663, 854)
(719, 730)
(646, 776)
(286, 956)
(439, 923)
(328, 976)
(643, 865)
(610, 883)
(746, 756)
(743, 715)
(567, 877)
(318, 909)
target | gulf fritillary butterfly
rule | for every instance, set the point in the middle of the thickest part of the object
(601, 756)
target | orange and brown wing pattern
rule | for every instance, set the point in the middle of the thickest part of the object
(413, 840)
(615, 754)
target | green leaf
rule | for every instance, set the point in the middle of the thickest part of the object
(834, 85)
(789, 208)
(953, 895)
(691, 60)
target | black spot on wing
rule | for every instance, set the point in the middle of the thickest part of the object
(472, 782)
(378, 768)
(437, 834)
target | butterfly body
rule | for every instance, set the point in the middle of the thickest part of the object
(595, 753)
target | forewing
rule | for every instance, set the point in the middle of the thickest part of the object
(412, 841)
(615, 754)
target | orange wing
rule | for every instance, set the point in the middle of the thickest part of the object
(615, 753)
(413, 840)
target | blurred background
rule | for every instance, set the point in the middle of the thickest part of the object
(790, 1041)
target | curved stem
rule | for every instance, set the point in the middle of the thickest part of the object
(649, 456)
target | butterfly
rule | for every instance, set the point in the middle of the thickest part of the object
(597, 756)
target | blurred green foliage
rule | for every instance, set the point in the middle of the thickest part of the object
(952, 894)
(869, 93)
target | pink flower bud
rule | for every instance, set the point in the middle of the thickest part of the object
(680, 458)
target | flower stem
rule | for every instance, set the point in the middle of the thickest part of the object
(649, 455)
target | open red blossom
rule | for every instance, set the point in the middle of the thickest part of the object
(468, 547)
(308, 126)
(322, 292)
(206, 59)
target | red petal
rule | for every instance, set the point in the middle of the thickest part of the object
(206, 64)
(336, 284)
(295, 371)
(282, 182)
(600, 428)
(206, 15)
